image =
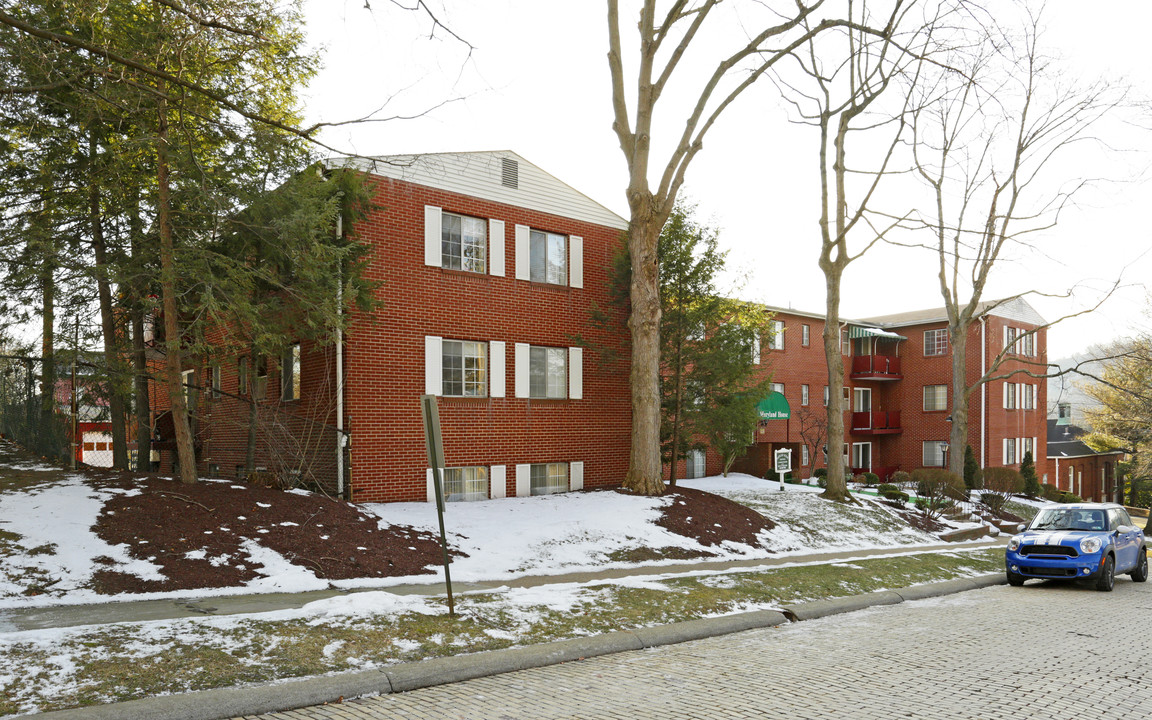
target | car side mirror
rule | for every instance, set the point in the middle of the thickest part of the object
(1124, 529)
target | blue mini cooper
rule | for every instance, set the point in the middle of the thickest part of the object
(1089, 542)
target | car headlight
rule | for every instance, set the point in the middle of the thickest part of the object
(1014, 543)
(1090, 545)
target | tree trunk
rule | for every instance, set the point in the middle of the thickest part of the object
(173, 365)
(644, 471)
(250, 455)
(837, 488)
(140, 356)
(107, 318)
(958, 437)
(47, 342)
(678, 406)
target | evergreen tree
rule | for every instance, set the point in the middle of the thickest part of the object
(971, 469)
(1028, 472)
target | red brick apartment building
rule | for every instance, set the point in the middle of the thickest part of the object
(898, 392)
(489, 269)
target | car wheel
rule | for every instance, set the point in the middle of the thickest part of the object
(1140, 574)
(1015, 579)
(1107, 575)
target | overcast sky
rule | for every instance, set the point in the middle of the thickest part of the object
(537, 83)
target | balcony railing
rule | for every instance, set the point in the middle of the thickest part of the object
(876, 423)
(876, 367)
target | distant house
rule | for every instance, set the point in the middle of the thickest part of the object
(489, 270)
(1076, 468)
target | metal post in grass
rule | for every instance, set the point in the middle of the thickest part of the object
(783, 464)
(435, 445)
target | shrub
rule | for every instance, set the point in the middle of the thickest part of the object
(1071, 498)
(870, 478)
(822, 480)
(820, 473)
(936, 488)
(1028, 472)
(1051, 493)
(900, 477)
(896, 495)
(993, 501)
(973, 478)
(885, 487)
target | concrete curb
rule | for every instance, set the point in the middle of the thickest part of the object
(293, 694)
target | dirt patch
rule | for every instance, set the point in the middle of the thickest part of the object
(199, 535)
(711, 520)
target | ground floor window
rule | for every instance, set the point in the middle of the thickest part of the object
(694, 464)
(548, 478)
(465, 483)
(804, 452)
(934, 453)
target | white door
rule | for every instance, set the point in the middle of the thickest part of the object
(862, 456)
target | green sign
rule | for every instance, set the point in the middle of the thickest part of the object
(774, 407)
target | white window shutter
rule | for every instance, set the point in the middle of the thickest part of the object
(433, 254)
(496, 374)
(575, 373)
(523, 480)
(756, 349)
(523, 253)
(496, 247)
(433, 365)
(497, 482)
(576, 476)
(575, 261)
(1004, 454)
(431, 486)
(1005, 394)
(521, 378)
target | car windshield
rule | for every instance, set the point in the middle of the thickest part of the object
(1069, 519)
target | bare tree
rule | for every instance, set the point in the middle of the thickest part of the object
(813, 430)
(986, 143)
(662, 41)
(856, 87)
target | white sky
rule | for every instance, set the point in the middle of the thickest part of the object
(537, 84)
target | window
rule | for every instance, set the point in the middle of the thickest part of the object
(804, 459)
(1010, 451)
(803, 394)
(1027, 395)
(1010, 396)
(261, 378)
(845, 343)
(216, 384)
(778, 387)
(242, 375)
(777, 341)
(862, 456)
(549, 478)
(825, 396)
(1064, 411)
(188, 380)
(805, 335)
(934, 453)
(290, 373)
(1027, 445)
(465, 483)
(935, 398)
(547, 373)
(847, 395)
(694, 464)
(463, 242)
(465, 368)
(548, 254)
(936, 342)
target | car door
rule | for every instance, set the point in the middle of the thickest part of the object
(1126, 546)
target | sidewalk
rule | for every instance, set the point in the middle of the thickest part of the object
(19, 619)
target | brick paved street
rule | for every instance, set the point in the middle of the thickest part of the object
(1034, 652)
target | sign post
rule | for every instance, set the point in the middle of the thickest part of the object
(783, 458)
(431, 414)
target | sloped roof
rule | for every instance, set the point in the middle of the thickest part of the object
(500, 176)
(1012, 309)
(1064, 442)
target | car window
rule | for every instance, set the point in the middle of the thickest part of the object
(1113, 520)
(1122, 515)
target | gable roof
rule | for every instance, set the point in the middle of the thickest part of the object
(1010, 309)
(1064, 442)
(500, 176)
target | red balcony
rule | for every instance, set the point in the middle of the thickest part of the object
(876, 423)
(876, 367)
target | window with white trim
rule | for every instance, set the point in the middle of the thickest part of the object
(777, 341)
(547, 372)
(548, 478)
(548, 257)
(261, 378)
(188, 380)
(935, 398)
(464, 243)
(804, 458)
(803, 394)
(826, 396)
(217, 382)
(1009, 396)
(1010, 451)
(935, 342)
(1064, 411)
(1027, 396)
(464, 367)
(777, 387)
(694, 466)
(933, 453)
(464, 484)
(845, 343)
(290, 373)
(1027, 445)
(805, 335)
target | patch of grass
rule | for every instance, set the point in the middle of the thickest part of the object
(1023, 510)
(647, 554)
(92, 666)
